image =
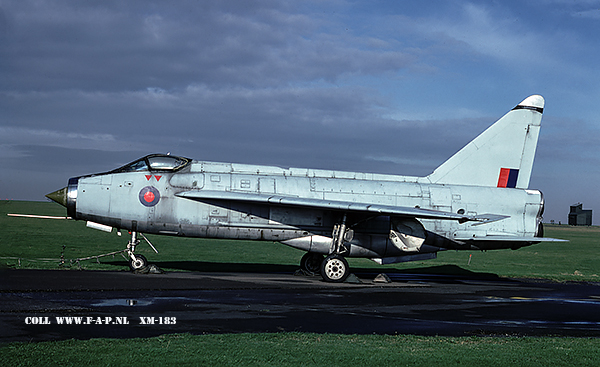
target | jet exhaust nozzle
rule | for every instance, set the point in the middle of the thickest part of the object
(59, 196)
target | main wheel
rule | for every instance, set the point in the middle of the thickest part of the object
(335, 269)
(311, 263)
(139, 262)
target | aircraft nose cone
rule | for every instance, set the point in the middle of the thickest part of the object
(59, 196)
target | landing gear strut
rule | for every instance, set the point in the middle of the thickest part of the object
(335, 267)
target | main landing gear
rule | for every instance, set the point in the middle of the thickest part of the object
(311, 263)
(334, 268)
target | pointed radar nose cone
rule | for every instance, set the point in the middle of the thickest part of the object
(59, 196)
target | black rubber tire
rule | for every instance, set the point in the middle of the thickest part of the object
(311, 263)
(139, 263)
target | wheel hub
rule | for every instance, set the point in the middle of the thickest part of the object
(335, 269)
(137, 263)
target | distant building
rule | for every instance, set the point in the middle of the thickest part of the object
(580, 217)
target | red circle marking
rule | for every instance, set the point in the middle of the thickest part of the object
(149, 196)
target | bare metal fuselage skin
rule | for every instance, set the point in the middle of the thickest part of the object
(162, 202)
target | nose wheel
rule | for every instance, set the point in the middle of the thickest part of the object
(137, 262)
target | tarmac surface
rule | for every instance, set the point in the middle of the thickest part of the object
(94, 304)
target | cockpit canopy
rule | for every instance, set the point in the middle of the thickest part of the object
(155, 162)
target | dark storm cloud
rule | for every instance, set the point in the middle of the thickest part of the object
(149, 76)
(134, 45)
(86, 86)
(327, 127)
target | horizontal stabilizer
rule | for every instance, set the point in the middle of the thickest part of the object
(511, 239)
(208, 195)
(489, 218)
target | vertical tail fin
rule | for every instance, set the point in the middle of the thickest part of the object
(502, 155)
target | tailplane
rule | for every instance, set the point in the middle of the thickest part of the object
(502, 155)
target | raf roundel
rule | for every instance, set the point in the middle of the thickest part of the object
(149, 196)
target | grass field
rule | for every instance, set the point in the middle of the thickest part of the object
(37, 243)
(301, 349)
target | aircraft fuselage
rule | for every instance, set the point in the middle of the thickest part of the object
(477, 199)
(147, 201)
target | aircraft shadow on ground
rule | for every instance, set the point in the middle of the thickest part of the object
(218, 267)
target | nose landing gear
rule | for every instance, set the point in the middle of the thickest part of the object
(137, 262)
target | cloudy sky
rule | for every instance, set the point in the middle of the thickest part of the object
(372, 86)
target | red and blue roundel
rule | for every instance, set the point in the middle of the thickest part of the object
(149, 196)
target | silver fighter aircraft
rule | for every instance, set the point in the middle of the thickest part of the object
(478, 199)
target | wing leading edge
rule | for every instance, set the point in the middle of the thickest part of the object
(205, 195)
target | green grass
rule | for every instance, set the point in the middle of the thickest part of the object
(38, 243)
(300, 349)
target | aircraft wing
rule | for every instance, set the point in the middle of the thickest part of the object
(208, 195)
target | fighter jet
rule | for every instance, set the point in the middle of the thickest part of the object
(477, 200)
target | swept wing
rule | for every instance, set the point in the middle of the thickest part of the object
(209, 195)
